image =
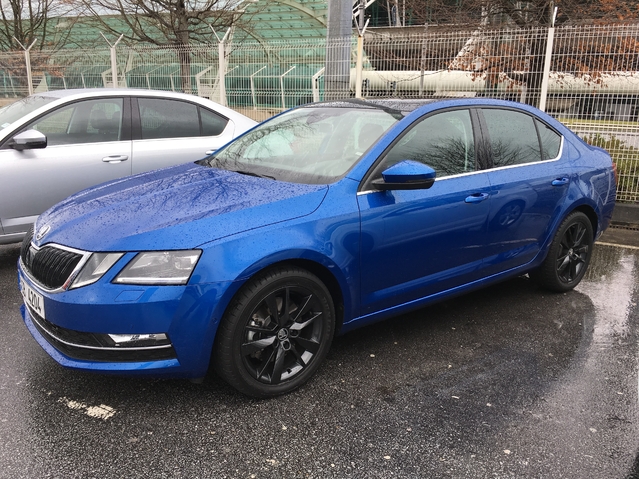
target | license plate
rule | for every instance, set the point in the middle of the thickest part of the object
(33, 299)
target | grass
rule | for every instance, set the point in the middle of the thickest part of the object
(626, 159)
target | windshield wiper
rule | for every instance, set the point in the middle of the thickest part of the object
(214, 162)
(250, 173)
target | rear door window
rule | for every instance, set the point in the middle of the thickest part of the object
(513, 137)
(166, 118)
(161, 118)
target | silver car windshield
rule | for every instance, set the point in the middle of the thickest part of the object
(20, 108)
(307, 145)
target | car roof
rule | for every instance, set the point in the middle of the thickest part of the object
(81, 93)
(89, 92)
(404, 106)
(408, 106)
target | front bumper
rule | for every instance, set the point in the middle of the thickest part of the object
(103, 364)
(78, 322)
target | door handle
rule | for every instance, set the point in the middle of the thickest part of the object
(209, 152)
(115, 158)
(476, 198)
(560, 182)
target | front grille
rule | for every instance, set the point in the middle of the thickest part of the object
(50, 266)
(93, 346)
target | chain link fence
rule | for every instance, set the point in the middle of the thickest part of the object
(586, 76)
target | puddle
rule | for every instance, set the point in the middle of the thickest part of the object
(610, 284)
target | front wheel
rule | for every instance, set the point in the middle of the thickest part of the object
(275, 334)
(568, 256)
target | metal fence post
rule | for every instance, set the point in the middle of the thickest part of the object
(359, 66)
(222, 71)
(421, 61)
(339, 47)
(282, 85)
(253, 87)
(221, 51)
(114, 60)
(27, 61)
(315, 84)
(546, 75)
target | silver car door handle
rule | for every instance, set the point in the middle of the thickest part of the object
(560, 181)
(209, 152)
(476, 198)
(115, 158)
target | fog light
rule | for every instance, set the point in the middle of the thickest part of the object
(139, 340)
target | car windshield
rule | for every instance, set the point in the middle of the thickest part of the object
(20, 108)
(313, 145)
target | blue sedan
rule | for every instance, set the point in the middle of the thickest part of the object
(323, 219)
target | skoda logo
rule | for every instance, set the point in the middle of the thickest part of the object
(42, 231)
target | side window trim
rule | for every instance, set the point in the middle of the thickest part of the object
(126, 119)
(485, 149)
(483, 156)
(365, 184)
(541, 146)
(199, 120)
(136, 123)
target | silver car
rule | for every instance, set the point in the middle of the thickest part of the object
(56, 143)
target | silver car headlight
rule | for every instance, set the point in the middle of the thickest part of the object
(94, 268)
(159, 268)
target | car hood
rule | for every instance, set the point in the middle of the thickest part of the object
(175, 208)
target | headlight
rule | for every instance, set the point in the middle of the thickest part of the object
(160, 267)
(94, 269)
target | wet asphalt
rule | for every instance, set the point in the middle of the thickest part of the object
(508, 382)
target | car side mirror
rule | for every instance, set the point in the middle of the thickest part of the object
(28, 140)
(406, 175)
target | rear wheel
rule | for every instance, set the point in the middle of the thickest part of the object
(568, 256)
(275, 334)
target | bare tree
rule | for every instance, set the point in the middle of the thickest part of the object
(527, 13)
(522, 62)
(24, 21)
(174, 23)
(36, 24)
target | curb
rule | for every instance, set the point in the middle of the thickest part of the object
(626, 214)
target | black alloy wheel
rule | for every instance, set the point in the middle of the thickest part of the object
(276, 333)
(574, 250)
(568, 256)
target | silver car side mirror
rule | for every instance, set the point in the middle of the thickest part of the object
(28, 140)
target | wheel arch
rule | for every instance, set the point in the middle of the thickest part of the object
(567, 257)
(248, 371)
(583, 207)
(326, 271)
(589, 211)
(329, 280)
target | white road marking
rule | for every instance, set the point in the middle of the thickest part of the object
(102, 411)
(617, 245)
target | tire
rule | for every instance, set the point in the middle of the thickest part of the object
(568, 256)
(265, 356)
